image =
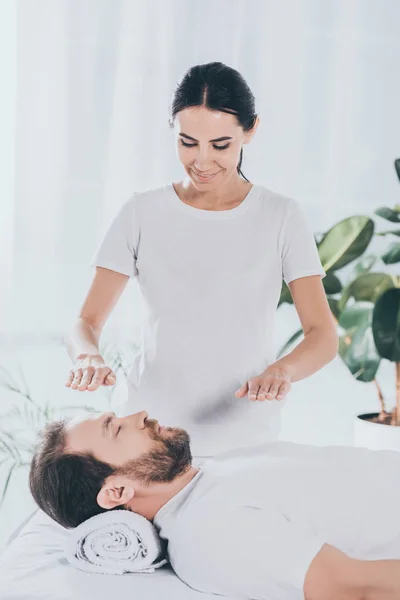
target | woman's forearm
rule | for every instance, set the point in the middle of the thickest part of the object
(382, 580)
(82, 339)
(318, 348)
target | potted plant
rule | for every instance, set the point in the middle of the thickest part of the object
(366, 309)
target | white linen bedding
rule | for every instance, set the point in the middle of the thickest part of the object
(33, 567)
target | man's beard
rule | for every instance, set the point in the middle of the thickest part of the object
(169, 459)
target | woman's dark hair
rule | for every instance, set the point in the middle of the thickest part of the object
(65, 485)
(218, 87)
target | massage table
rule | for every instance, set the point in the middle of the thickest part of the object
(32, 567)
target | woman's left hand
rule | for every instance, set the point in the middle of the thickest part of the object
(273, 384)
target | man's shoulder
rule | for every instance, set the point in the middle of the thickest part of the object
(201, 551)
(205, 521)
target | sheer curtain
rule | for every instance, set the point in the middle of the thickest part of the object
(87, 120)
(85, 93)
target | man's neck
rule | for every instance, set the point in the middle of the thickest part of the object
(148, 501)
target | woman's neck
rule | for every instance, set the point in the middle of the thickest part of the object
(223, 197)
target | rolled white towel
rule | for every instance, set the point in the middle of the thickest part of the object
(115, 542)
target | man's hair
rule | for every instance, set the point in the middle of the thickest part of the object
(63, 484)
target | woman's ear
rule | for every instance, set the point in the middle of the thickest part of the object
(250, 134)
(115, 492)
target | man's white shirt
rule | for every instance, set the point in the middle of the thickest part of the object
(252, 520)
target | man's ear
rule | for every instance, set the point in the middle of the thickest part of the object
(116, 491)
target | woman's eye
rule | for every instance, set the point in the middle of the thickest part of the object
(118, 430)
(186, 145)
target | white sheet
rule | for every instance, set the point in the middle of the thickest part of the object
(33, 568)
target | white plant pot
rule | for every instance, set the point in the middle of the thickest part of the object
(375, 436)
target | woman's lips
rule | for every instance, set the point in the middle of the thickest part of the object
(205, 177)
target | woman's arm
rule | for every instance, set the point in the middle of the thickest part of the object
(106, 289)
(383, 580)
(320, 344)
(335, 576)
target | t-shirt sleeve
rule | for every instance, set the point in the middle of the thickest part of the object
(250, 553)
(299, 253)
(118, 249)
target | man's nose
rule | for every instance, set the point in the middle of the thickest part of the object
(142, 416)
(136, 419)
(140, 419)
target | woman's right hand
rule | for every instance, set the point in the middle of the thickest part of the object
(89, 373)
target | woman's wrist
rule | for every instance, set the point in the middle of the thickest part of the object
(91, 358)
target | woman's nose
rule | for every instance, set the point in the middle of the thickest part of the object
(202, 162)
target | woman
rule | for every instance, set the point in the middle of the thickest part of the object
(209, 253)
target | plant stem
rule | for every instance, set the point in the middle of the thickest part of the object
(381, 398)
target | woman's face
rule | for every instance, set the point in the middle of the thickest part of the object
(209, 144)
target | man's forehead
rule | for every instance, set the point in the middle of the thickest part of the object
(80, 419)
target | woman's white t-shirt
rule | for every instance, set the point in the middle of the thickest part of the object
(211, 281)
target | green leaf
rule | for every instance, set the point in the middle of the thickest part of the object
(389, 232)
(386, 325)
(8, 380)
(362, 358)
(285, 296)
(7, 446)
(356, 345)
(355, 317)
(334, 306)
(392, 255)
(397, 167)
(26, 388)
(364, 265)
(7, 483)
(47, 412)
(388, 213)
(3, 460)
(367, 287)
(332, 284)
(345, 241)
(14, 412)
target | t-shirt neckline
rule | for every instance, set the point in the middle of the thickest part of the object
(178, 498)
(212, 214)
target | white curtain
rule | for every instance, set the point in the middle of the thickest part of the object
(87, 86)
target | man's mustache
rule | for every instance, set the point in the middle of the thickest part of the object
(152, 425)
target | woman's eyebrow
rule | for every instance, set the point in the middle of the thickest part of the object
(220, 139)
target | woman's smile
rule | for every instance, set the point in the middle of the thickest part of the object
(202, 178)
